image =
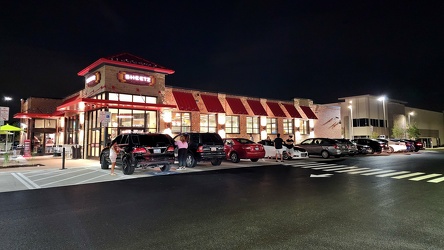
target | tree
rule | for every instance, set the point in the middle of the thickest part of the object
(398, 131)
(413, 132)
(374, 135)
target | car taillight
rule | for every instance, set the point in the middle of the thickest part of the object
(200, 149)
(139, 151)
(170, 149)
(246, 148)
(335, 146)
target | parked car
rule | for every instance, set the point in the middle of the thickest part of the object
(294, 153)
(324, 147)
(241, 148)
(363, 149)
(141, 151)
(375, 146)
(204, 147)
(413, 145)
(351, 149)
(394, 145)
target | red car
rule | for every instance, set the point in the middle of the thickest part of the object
(241, 148)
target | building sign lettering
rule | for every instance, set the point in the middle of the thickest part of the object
(93, 80)
(135, 78)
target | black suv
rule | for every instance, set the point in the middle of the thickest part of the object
(375, 146)
(204, 147)
(141, 151)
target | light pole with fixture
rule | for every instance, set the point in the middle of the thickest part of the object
(351, 120)
(411, 114)
(382, 98)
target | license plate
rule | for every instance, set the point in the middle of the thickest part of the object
(156, 150)
(213, 149)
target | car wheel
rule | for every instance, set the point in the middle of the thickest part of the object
(254, 160)
(127, 168)
(165, 168)
(190, 161)
(390, 150)
(104, 163)
(286, 156)
(234, 157)
(371, 151)
(216, 162)
(325, 154)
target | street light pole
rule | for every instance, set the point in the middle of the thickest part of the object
(351, 120)
(382, 98)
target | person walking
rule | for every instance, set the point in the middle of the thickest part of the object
(278, 142)
(113, 152)
(182, 146)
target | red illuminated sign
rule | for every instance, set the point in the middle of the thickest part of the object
(135, 78)
(93, 80)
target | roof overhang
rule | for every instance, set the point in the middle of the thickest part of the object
(122, 64)
(86, 104)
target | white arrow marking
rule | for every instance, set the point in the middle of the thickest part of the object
(321, 175)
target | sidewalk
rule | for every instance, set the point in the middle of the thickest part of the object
(45, 162)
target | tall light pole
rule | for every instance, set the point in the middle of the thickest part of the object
(382, 98)
(411, 114)
(351, 120)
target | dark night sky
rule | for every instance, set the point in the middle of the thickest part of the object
(321, 50)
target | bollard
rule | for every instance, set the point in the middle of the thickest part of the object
(63, 158)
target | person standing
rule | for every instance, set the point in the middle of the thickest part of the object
(278, 142)
(289, 143)
(182, 146)
(113, 152)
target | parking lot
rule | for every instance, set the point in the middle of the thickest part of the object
(48, 172)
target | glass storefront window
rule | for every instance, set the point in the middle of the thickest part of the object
(232, 124)
(125, 117)
(39, 123)
(125, 98)
(288, 126)
(252, 125)
(208, 123)
(271, 126)
(139, 118)
(181, 123)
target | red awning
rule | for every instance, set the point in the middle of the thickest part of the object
(54, 115)
(276, 109)
(257, 107)
(236, 106)
(185, 101)
(308, 112)
(291, 109)
(212, 103)
(91, 104)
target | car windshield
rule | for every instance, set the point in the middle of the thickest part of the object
(245, 141)
(153, 140)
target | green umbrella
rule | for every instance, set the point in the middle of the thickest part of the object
(6, 128)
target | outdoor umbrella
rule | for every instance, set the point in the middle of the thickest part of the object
(8, 128)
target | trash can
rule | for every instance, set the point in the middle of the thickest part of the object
(74, 152)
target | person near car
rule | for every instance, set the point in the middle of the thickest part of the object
(278, 145)
(113, 152)
(182, 146)
(289, 143)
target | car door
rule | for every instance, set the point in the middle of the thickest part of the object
(309, 145)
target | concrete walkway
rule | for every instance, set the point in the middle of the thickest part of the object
(43, 162)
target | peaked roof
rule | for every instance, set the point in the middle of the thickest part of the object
(127, 60)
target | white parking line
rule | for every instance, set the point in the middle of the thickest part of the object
(391, 174)
(437, 180)
(351, 170)
(27, 182)
(72, 177)
(335, 166)
(425, 177)
(342, 168)
(97, 177)
(407, 175)
(379, 172)
(365, 171)
(51, 176)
